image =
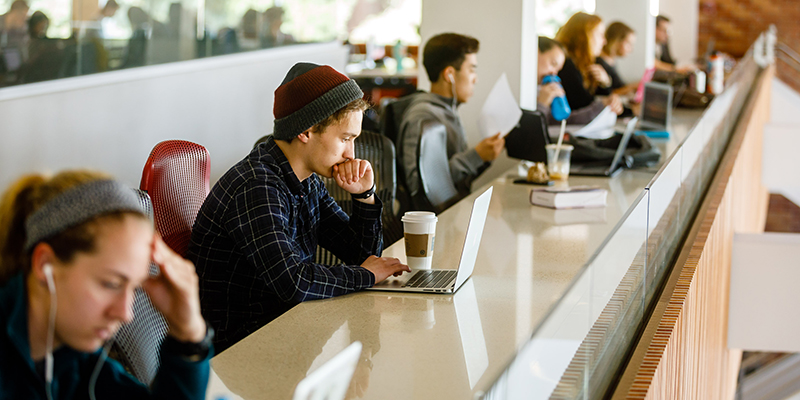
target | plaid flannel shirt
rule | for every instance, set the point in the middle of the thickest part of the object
(254, 240)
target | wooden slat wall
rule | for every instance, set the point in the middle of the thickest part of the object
(683, 352)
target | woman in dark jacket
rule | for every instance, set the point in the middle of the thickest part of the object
(583, 38)
(72, 250)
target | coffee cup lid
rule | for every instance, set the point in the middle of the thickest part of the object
(419, 216)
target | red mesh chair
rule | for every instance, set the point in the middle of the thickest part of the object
(176, 176)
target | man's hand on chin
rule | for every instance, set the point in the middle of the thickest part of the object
(356, 177)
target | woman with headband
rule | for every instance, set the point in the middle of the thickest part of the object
(72, 250)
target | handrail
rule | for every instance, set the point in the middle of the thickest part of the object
(790, 53)
(796, 68)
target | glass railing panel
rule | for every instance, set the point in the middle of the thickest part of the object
(665, 228)
(581, 347)
(579, 340)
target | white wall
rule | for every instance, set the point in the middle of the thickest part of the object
(635, 14)
(684, 16)
(781, 141)
(506, 30)
(111, 121)
(785, 104)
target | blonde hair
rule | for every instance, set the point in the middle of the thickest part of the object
(616, 32)
(575, 35)
(27, 195)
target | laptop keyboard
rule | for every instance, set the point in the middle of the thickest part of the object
(431, 279)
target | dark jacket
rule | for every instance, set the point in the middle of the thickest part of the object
(177, 378)
(666, 56)
(578, 96)
(616, 80)
(254, 240)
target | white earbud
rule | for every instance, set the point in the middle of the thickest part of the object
(51, 326)
(48, 275)
(453, 89)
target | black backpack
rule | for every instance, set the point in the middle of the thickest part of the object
(640, 150)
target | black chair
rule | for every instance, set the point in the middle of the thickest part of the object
(392, 111)
(379, 151)
(437, 191)
(137, 344)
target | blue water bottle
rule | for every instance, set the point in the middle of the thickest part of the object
(559, 108)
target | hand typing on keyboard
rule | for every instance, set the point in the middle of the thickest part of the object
(383, 267)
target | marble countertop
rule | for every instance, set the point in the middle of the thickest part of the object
(443, 346)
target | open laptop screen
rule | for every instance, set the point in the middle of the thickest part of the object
(655, 109)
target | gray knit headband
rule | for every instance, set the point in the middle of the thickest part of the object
(324, 106)
(77, 205)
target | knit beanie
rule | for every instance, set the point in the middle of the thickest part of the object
(308, 94)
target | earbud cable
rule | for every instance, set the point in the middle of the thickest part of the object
(98, 367)
(51, 328)
(453, 86)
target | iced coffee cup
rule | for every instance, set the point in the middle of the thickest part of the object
(419, 232)
(558, 164)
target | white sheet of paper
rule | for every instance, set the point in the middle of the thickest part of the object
(500, 112)
(601, 127)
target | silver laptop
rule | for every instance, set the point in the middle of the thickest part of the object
(619, 160)
(656, 110)
(446, 280)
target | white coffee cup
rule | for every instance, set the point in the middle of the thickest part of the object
(419, 231)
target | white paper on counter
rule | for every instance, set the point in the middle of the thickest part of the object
(500, 112)
(601, 127)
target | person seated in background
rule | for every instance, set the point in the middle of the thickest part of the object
(583, 37)
(255, 235)
(551, 59)
(451, 63)
(248, 31)
(13, 29)
(664, 60)
(73, 247)
(273, 36)
(619, 43)
(45, 57)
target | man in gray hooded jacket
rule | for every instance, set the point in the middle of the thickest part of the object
(451, 61)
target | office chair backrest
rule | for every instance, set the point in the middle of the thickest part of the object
(434, 168)
(138, 342)
(176, 176)
(392, 115)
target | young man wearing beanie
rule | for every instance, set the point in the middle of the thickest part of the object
(256, 234)
(451, 62)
